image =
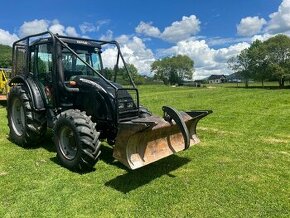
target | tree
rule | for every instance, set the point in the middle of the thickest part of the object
(257, 55)
(264, 60)
(241, 65)
(173, 70)
(278, 57)
(5, 56)
(122, 76)
(108, 73)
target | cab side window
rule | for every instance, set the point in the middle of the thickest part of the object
(44, 63)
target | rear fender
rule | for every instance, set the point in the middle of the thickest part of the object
(37, 101)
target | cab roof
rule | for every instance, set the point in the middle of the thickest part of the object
(71, 41)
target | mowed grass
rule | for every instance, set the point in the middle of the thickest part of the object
(240, 169)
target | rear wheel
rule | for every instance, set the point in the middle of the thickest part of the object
(26, 126)
(77, 141)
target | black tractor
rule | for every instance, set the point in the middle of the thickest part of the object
(59, 82)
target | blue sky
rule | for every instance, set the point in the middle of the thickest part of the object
(209, 32)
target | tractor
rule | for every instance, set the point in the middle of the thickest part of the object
(59, 82)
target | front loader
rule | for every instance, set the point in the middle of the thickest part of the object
(60, 82)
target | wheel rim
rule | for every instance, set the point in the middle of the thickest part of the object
(67, 142)
(18, 118)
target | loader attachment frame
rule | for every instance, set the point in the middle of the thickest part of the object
(145, 140)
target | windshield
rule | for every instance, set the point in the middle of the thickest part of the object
(113, 69)
(73, 66)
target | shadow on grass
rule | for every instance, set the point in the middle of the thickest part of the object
(56, 161)
(46, 143)
(260, 87)
(134, 179)
(3, 104)
(105, 156)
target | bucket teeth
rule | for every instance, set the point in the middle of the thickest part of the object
(145, 140)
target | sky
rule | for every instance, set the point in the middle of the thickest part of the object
(209, 32)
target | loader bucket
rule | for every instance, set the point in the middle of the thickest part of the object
(145, 140)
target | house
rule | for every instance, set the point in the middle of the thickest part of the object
(214, 79)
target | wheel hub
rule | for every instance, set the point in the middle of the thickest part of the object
(68, 145)
(18, 117)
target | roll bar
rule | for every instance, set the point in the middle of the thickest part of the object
(57, 38)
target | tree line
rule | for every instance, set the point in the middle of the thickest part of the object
(5, 56)
(170, 70)
(264, 61)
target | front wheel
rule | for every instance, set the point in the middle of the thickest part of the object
(76, 140)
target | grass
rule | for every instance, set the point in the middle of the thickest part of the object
(240, 169)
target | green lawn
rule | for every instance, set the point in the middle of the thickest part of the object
(240, 169)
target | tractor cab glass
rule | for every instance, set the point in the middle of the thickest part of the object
(75, 66)
(42, 63)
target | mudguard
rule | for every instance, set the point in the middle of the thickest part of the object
(37, 101)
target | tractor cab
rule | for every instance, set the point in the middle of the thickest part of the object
(69, 74)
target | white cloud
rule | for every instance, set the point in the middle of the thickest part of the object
(123, 39)
(108, 36)
(134, 51)
(181, 30)
(280, 20)
(177, 31)
(87, 27)
(199, 51)
(38, 26)
(101, 23)
(71, 31)
(262, 37)
(219, 41)
(57, 28)
(223, 54)
(7, 38)
(33, 27)
(207, 60)
(147, 29)
(250, 26)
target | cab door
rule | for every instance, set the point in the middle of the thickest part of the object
(42, 70)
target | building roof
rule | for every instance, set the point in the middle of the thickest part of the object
(213, 77)
(234, 76)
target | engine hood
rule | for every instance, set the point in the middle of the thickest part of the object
(85, 82)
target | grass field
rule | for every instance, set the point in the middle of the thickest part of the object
(240, 169)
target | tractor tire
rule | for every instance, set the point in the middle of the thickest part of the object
(27, 127)
(77, 141)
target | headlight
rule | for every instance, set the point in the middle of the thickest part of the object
(121, 105)
(130, 104)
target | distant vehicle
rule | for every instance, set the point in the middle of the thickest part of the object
(4, 88)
